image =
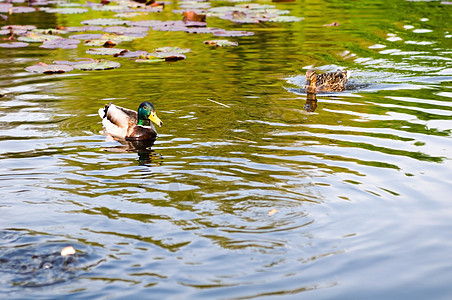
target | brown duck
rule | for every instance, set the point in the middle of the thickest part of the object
(326, 82)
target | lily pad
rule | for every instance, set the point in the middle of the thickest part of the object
(135, 31)
(128, 14)
(51, 31)
(22, 9)
(66, 10)
(202, 30)
(100, 43)
(49, 69)
(285, 19)
(72, 63)
(104, 51)
(13, 45)
(221, 43)
(172, 50)
(149, 59)
(105, 22)
(232, 33)
(168, 56)
(60, 43)
(5, 7)
(19, 27)
(86, 36)
(118, 37)
(83, 28)
(146, 23)
(129, 54)
(98, 65)
(37, 37)
(115, 8)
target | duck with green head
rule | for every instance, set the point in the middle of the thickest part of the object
(125, 124)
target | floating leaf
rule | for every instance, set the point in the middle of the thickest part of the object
(232, 33)
(129, 54)
(72, 63)
(118, 38)
(23, 27)
(202, 30)
(104, 51)
(100, 43)
(13, 45)
(37, 37)
(285, 19)
(51, 31)
(83, 28)
(149, 59)
(135, 31)
(49, 69)
(116, 8)
(22, 9)
(146, 23)
(128, 14)
(60, 43)
(66, 10)
(5, 7)
(86, 36)
(195, 5)
(169, 56)
(98, 65)
(221, 43)
(172, 50)
(17, 29)
(105, 22)
(68, 4)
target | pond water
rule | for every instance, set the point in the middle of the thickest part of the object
(252, 190)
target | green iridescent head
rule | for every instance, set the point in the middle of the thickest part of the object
(146, 113)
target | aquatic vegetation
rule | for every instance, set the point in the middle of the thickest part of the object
(49, 69)
(14, 45)
(62, 43)
(97, 65)
(221, 43)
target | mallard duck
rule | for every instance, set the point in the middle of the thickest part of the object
(126, 124)
(326, 82)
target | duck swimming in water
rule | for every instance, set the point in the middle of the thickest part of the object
(326, 82)
(125, 124)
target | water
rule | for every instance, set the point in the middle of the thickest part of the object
(360, 181)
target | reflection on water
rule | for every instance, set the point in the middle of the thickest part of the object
(311, 102)
(146, 156)
(266, 191)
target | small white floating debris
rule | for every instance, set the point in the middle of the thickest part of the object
(422, 30)
(419, 43)
(394, 38)
(408, 26)
(219, 103)
(424, 19)
(66, 251)
(377, 46)
(245, 140)
(272, 212)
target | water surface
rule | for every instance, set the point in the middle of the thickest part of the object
(360, 179)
